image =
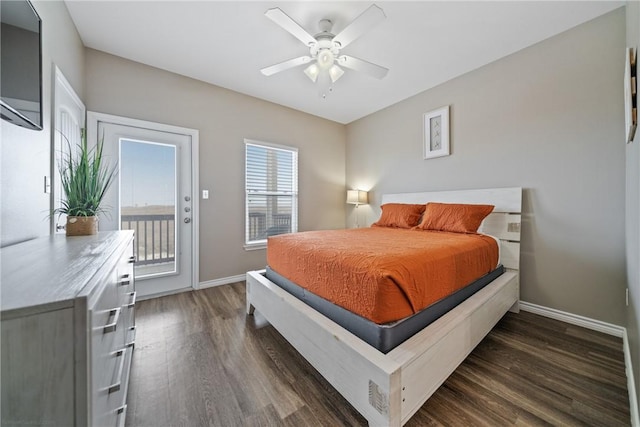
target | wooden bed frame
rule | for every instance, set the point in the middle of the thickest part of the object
(387, 389)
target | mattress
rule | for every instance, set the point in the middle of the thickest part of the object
(388, 336)
(382, 274)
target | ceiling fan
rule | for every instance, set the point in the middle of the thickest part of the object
(324, 47)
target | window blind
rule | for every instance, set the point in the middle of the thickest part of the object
(271, 182)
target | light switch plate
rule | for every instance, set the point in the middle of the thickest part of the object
(205, 194)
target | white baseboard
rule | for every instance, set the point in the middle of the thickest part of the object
(163, 294)
(201, 285)
(631, 384)
(574, 319)
(599, 326)
(222, 281)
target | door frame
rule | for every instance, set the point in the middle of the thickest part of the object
(92, 138)
(60, 84)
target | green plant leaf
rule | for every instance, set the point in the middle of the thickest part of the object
(85, 179)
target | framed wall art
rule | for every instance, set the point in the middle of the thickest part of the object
(630, 100)
(436, 133)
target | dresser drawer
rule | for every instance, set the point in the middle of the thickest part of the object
(125, 270)
(126, 287)
(107, 343)
(108, 404)
(128, 315)
(110, 398)
(117, 401)
(106, 327)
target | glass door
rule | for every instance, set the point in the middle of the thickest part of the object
(153, 197)
(148, 204)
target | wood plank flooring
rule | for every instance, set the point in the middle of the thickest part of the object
(200, 361)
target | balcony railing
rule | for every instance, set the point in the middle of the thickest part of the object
(259, 228)
(155, 237)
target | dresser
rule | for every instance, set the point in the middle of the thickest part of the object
(67, 330)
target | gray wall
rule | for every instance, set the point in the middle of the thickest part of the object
(224, 118)
(549, 119)
(26, 154)
(633, 215)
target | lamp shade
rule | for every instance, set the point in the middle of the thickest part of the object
(312, 72)
(335, 73)
(357, 197)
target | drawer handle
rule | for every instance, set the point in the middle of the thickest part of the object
(125, 280)
(122, 412)
(132, 259)
(132, 301)
(132, 341)
(116, 386)
(111, 327)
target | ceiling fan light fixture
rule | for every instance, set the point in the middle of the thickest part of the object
(335, 73)
(312, 72)
(325, 59)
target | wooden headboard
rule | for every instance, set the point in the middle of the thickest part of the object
(503, 223)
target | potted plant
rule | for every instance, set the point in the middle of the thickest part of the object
(85, 178)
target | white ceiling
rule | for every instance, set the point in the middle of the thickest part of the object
(226, 43)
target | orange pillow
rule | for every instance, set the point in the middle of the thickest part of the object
(400, 215)
(457, 218)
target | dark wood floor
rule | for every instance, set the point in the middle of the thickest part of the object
(199, 361)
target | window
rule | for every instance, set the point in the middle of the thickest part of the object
(271, 183)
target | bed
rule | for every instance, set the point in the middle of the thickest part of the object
(388, 388)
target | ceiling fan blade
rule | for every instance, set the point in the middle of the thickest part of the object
(288, 24)
(360, 25)
(268, 71)
(363, 66)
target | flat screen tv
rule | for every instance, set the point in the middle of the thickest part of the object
(21, 64)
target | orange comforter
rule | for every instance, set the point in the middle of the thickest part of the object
(379, 273)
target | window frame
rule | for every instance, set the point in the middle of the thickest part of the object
(262, 243)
